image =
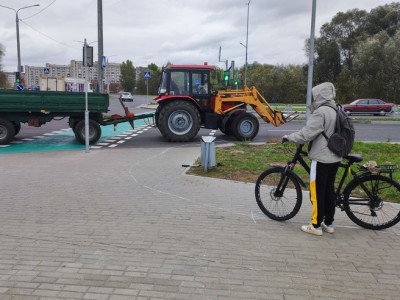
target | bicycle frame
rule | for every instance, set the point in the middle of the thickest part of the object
(298, 157)
(289, 168)
(359, 192)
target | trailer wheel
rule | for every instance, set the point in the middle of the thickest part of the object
(94, 132)
(17, 127)
(245, 127)
(179, 121)
(7, 131)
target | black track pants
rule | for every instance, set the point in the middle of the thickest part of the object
(322, 192)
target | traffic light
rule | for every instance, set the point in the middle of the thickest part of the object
(17, 77)
(88, 60)
(227, 75)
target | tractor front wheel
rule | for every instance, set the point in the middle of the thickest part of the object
(245, 127)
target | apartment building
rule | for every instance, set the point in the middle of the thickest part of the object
(75, 69)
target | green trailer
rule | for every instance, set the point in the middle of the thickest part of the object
(39, 107)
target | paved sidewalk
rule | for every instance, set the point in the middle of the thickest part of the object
(129, 224)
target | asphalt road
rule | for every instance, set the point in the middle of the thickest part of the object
(56, 135)
(366, 130)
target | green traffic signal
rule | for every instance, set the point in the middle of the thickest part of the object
(17, 77)
(226, 75)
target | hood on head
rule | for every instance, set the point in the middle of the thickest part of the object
(323, 93)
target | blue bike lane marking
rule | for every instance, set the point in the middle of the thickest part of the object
(64, 140)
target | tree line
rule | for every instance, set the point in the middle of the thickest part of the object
(358, 51)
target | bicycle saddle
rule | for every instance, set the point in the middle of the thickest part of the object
(354, 158)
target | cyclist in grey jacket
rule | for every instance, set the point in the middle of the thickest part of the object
(324, 163)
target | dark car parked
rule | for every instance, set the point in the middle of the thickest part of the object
(368, 106)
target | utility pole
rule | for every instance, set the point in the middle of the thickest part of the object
(311, 61)
(100, 45)
(85, 66)
(219, 59)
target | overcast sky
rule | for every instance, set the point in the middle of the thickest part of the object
(160, 31)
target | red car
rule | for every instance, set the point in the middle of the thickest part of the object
(368, 106)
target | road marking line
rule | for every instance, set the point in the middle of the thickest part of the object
(111, 142)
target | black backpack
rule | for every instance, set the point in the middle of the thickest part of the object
(342, 140)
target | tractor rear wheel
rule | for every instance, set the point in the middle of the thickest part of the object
(245, 127)
(157, 114)
(179, 121)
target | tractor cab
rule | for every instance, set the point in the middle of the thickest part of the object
(187, 81)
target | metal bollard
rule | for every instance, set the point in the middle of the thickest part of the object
(208, 152)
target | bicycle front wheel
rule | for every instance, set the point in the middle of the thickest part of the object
(278, 194)
(373, 202)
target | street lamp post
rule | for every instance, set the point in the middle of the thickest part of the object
(17, 25)
(247, 43)
(245, 65)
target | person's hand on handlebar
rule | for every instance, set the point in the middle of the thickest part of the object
(285, 138)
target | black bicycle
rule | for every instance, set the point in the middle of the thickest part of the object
(370, 199)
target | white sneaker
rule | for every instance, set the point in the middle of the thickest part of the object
(328, 228)
(311, 229)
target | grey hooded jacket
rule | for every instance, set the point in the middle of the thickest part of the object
(323, 118)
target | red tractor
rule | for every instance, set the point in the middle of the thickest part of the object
(187, 101)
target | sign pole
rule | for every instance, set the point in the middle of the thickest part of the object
(147, 87)
(147, 75)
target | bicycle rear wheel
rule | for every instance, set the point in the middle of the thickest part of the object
(373, 202)
(279, 199)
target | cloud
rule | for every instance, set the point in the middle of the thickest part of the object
(158, 31)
